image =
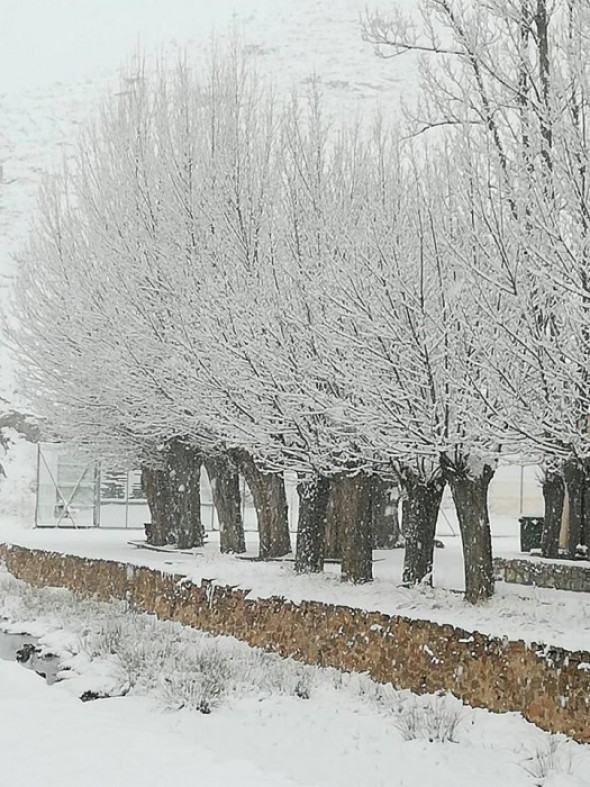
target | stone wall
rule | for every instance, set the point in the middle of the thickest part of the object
(544, 573)
(549, 686)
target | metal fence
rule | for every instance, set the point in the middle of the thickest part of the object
(74, 491)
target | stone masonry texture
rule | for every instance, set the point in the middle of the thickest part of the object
(548, 685)
(544, 573)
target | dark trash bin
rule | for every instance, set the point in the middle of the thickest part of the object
(531, 532)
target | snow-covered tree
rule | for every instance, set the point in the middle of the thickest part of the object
(511, 79)
(409, 355)
(98, 293)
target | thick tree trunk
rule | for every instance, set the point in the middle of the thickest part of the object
(575, 478)
(554, 495)
(384, 513)
(184, 468)
(470, 495)
(156, 487)
(225, 490)
(421, 507)
(333, 533)
(311, 527)
(352, 509)
(270, 502)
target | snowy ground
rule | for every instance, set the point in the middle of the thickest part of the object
(56, 60)
(122, 742)
(254, 743)
(341, 730)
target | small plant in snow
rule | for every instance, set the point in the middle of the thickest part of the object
(276, 675)
(303, 687)
(554, 757)
(430, 718)
(186, 690)
(380, 694)
(106, 640)
(198, 683)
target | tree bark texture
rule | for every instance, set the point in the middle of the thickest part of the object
(311, 527)
(544, 59)
(333, 549)
(420, 513)
(383, 506)
(470, 495)
(554, 495)
(156, 487)
(270, 502)
(352, 509)
(384, 513)
(574, 475)
(225, 491)
(184, 469)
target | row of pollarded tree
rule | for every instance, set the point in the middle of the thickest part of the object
(224, 274)
(173, 493)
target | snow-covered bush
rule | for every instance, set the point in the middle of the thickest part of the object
(429, 718)
(552, 758)
(199, 680)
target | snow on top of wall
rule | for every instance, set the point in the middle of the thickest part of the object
(535, 615)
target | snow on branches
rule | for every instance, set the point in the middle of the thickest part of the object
(231, 270)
